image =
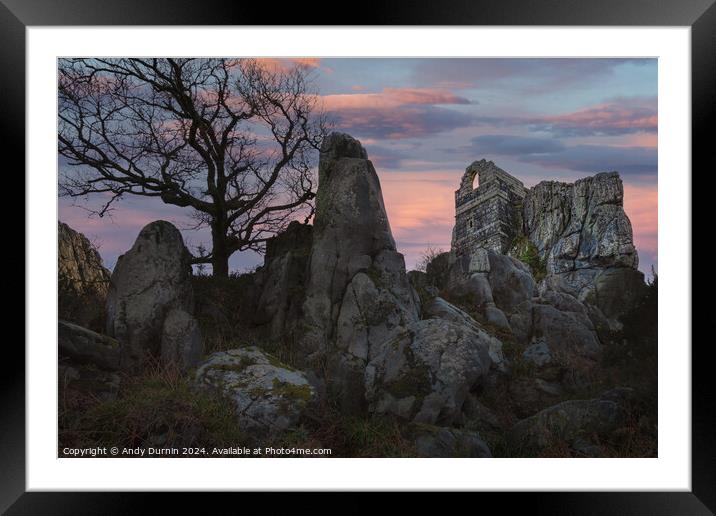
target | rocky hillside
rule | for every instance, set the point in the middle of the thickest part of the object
(83, 282)
(333, 343)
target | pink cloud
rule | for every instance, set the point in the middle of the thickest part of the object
(421, 208)
(619, 116)
(391, 98)
(396, 113)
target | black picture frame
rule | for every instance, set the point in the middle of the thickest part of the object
(17, 15)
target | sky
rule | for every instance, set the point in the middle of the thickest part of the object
(423, 121)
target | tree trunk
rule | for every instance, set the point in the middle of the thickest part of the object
(220, 265)
(220, 253)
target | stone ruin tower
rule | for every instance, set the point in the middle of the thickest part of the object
(487, 216)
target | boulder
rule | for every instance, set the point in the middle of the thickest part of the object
(426, 371)
(88, 364)
(529, 395)
(490, 283)
(438, 308)
(269, 396)
(563, 332)
(441, 442)
(84, 346)
(511, 281)
(538, 353)
(567, 421)
(480, 417)
(83, 282)
(149, 280)
(281, 282)
(182, 344)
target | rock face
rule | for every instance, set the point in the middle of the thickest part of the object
(270, 397)
(426, 371)
(149, 281)
(585, 239)
(83, 281)
(357, 293)
(581, 225)
(282, 281)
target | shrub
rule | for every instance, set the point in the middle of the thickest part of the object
(526, 252)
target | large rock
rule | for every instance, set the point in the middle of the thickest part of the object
(490, 284)
(83, 281)
(503, 294)
(564, 332)
(568, 421)
(442, 442)
(426, 371)
(438, 308)
(182, 343)
(580, 225)
(149, 280)
(87, 363)
(585, 238)
(511, 281)
(84, 346)
(281, 281)
(357, 292)
(269, 397)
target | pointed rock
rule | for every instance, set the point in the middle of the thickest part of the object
(149, 280)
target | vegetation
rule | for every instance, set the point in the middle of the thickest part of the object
(158, 408)
(353, 436)
(428, 256)
(526, 252)
(223, 309)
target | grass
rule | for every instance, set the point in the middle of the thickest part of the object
(353, 436)
(160, 402)
(222, 309)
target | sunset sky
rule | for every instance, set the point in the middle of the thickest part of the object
(423, 121)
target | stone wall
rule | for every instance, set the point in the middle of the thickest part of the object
(487, 216)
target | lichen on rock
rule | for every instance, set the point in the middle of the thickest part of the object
(269, 396)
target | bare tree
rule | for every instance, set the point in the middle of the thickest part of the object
(428, 256)
(232, 139)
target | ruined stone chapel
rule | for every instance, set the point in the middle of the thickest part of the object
(487, 214)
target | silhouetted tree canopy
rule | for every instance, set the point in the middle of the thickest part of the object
(232, 139)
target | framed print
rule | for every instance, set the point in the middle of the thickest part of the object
(418, 252)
